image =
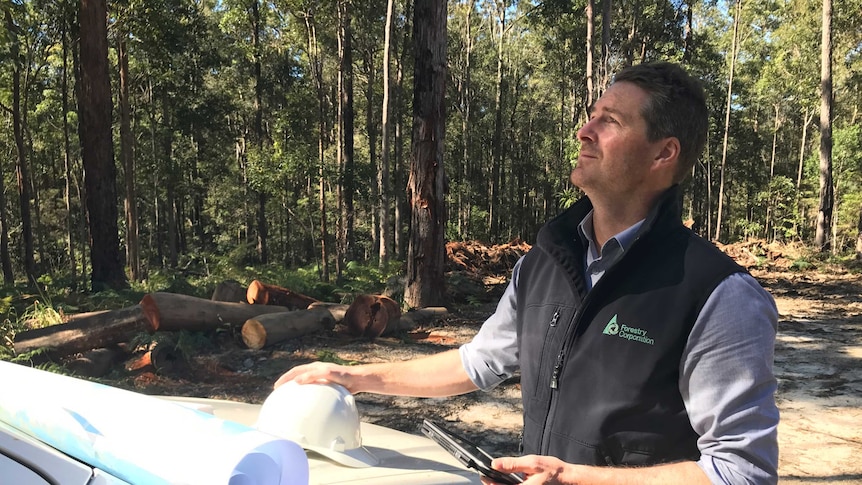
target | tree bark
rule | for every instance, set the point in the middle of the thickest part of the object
(827, 199)
(588, 74)
(383, 170)
(733, 51)
(337, 310)
(67, 151)
(495, 201)
(22, 169)
(94, 130)
(273, 328)
(346, 162)
(230, 290)
(262, 228)
(426, 256)
(94, 330)
(172, 312)
(127, 155)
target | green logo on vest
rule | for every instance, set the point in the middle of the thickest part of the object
(612, 328)
(632, 334)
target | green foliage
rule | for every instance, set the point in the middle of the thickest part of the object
(217, 141)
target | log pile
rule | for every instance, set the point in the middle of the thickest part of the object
(263, 314)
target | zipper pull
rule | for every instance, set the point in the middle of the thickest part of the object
(555, 377)
(555, 318)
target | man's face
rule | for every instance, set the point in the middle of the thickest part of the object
(616, 156)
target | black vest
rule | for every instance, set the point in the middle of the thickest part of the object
(600, 370)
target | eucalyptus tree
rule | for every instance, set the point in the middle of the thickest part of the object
(426, 252)
(24, 45)
(97, 152)
(827, 197)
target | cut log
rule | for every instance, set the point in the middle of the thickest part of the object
(414, 318)
(273, 328)
(95, 363)
(99, 329)
(259, 293)
(174, 312)
(369, 315)
(230, 290)
(336, 309)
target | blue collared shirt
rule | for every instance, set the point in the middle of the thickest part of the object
(726, 378)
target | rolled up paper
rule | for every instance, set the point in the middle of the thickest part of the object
(142, 439)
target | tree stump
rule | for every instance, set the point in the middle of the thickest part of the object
(369, 315)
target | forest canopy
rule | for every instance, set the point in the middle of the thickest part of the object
(264, 133)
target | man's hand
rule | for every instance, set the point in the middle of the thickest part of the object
(538, 470)
(320, 373)
(553, 471)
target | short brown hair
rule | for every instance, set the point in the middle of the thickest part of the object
(676, 107)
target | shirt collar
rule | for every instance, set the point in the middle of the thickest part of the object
(595, 262)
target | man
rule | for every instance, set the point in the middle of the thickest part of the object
(645, 353)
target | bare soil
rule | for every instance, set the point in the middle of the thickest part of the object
(818, 363)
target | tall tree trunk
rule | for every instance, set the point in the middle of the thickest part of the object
(346, 162)
(776, 124)
(734, 47)
(371, 129)
(262, 229)
(67, 150)
(170, 183)
(127, 155)
(399, 182)
(497, 140)
(22, 170)
(316, 61)
(604, 65)
(425, 285)
(5, 257)
(383, 170)
(94, 131)
(588, 73)
(827, 199)
(464, 203)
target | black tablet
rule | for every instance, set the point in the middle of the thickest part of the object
(467, 453)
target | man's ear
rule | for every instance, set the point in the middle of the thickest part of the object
(668, 153)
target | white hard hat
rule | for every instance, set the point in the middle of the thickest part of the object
(319, 417)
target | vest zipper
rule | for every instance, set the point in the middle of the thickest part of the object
(555, 377)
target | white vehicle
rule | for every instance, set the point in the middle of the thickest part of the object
(338, 450)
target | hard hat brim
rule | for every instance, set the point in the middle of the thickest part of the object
(354, 458)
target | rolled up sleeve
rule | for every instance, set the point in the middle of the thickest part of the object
(492, 356)
(728, 385)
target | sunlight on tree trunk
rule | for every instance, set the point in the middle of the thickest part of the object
(824, 212)
(427, 251)
(722, 171)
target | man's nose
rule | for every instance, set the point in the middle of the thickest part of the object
(585, 132)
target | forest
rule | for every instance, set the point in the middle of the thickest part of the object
(280, 133)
